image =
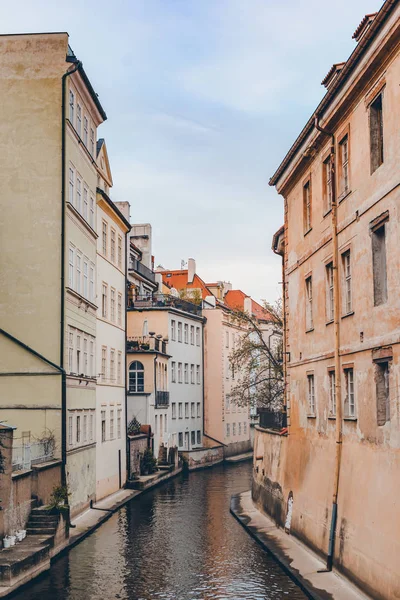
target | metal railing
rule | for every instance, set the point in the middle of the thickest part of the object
(270, 419)
(165, 301)
(145, 344)
(162, 399)
(26, 455)
(135, 265)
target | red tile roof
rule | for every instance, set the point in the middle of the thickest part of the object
(235, 300)
(179, 280)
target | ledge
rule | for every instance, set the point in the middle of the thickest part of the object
(348, 314)
(272, 431)
(47, 465)
(343, 195)
(81, 298)
(349, 418)
(310, 330)
(21, 474)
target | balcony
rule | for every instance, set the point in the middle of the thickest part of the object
(135, 265)
(162, 399)
(164, 301)
(270, 419)
(146, 344)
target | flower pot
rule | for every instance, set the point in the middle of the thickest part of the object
(19, 536)
(6, 542)
(12, 540)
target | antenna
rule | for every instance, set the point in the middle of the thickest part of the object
(183, 263)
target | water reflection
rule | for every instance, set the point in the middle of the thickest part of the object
(178, 542)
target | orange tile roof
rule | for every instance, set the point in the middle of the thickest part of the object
(179, 280)
(235, 300)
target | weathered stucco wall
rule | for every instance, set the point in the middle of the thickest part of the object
(203, 457)
(81, 477)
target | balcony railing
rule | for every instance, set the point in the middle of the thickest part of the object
(270, 419)
(162, 399)
(165, 301)
(146, 344)
(28, 454)
(135, 265)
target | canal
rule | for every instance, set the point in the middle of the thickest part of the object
(177, 542)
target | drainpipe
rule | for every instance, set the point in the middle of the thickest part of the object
(62, 299)
(127, 442)
(338, 390)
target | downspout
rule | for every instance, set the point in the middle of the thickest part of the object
(127, 442)
(202, 373)
(62, 299)
(338, 390)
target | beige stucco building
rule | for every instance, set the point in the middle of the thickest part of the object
(341, 264)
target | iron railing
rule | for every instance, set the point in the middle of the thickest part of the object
(146, 344)
(26, 455)
(270, 419)
(165, 301)
(162, 399)
(135, 265)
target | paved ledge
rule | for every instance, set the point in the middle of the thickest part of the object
(300, 563)
(239, 457)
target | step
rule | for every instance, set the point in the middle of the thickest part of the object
(43, 519)
(41, 530)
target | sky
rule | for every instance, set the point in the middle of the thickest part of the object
(204, 99)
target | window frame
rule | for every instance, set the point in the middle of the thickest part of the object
(307, 205)
(311, 397)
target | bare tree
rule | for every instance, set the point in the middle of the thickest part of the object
(256, 360)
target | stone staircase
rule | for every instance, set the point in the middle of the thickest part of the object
(163, 455)
(41, 522)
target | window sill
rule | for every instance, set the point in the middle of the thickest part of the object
(329, 322)
(332, 417)
(311, 416)
(349, 418)
(307, 232)
(310, 330)
(348, 314)
(325, 214)
(81, 298)
(82, 219)
(343, 195)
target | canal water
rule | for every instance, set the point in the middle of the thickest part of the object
(177, 542)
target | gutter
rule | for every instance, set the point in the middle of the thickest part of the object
(127, 442)
(341, 79)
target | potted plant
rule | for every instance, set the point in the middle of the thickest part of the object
(148, 462)
(59, 499)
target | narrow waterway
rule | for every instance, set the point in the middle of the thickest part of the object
(177, 542)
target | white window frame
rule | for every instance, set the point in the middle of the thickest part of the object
(311, 394)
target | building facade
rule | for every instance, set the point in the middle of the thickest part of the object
(338, 468)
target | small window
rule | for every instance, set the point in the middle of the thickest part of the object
(173, 407)
(104, 238)
(120, 252)
(92, 142)
(193, 438)
(192, 335)
(111, 424)
(180, 439)
(376, 133)
(173, 372)
(85, 203)
(79, 119)
(104, 363)
(179, 331)
(347, 296)
(70, 430)
(197, 336)
(186, 330)
(186, 410)
(307, 206)
(199, 437)
(349, 401)
(71, 185)
(104, 300)
(327, 184)
(71, 106)
(103, 425)
(382, 393)
(332, 394)
(186, 373)
(112, 365)
(311, 395)
(136, 377)
(344, 165)
(193, 410)
(233, 429)
(179, 372)
(191, 373)
(198, 409)
(180, 413)
(379, 265)
(198, 374)
(85, 130)
(119, 422)
(112, 252)
(329, 293)
(119, 309)
(309, 304)
(78, 204)
(228, 430)
(173, 330)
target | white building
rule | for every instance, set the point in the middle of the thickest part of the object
(111, 327)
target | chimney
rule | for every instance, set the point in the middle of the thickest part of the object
(247, 305)
(191, 270)
(158, 280)
(125, 208)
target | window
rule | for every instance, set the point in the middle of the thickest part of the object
(226, 339)
(197, 336)
(71, 185)
(119, 367)
(191, 373)
(382, 392)
(70, 430)
(155, 423)
(78, 204)
(192, 335)
(228, 430)
(198, 409)
(173, 332)
(104, 238)
(239, 428)
(309, 304)
(78, 355)
(179, 372)
(234, 429)
(91, 213)
(179, 331)
(78, 273)
(245, 427)
(198, 373)
(78, 429)
(84, 428)
(112, 364)
(307, 206)
(349, 401)
(136, 377)
(91, 363)
(71, 268)
(113, 245)
(330, 307)
(186, 410)
(180, 413)
(379, 264)
(327, 184)
(180, 439)
(112, 305)
(85, 130)
(119, 309)
(186, 373)
(91, 427)
(347, 300)
(186, 329)
(111, 424)
(85, 278)
(344, 165)
(376, 133)
(192, 410)
(103, 363)
(120, 252)
(91, 283)
(71, 106)
(85, 203)
(332, 394)
(92, 141)
(193, 437)
(70, 351)
(199, 437)
(119, 422)
(311, 394)
(173, 405)
(79, 119)
(104, 300)
(103, 425)
(85, 356)
(173, 372)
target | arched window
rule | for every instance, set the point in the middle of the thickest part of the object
(136, 377)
